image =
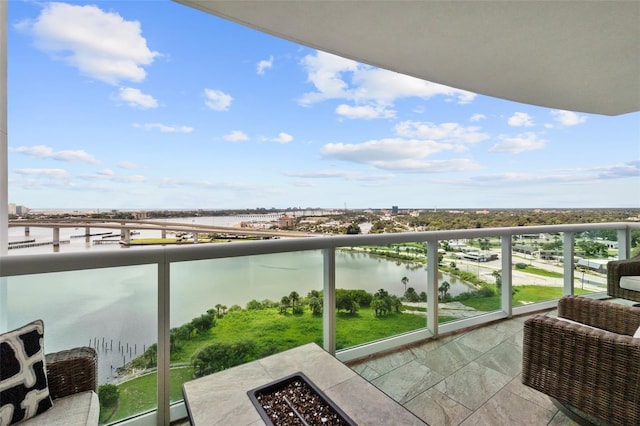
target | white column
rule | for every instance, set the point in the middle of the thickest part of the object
(4, 164)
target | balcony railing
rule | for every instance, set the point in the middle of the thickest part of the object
(163, 273)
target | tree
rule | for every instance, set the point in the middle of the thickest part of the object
(498, 276)
(254, 305)
(411, 295)
(315, 304)
(294, 298)
(222, 355)
(405, 280)
(285, 302)
(382, 302)
(379, 307)
(218, 307)
(150, 356)
(203, 323)
(108, 395)
(345, 300)
(353, 229)
(444, 289)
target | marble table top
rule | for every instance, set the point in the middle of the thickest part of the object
(221, 398)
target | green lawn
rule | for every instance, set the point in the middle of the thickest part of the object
(524, 295)
(542, 272)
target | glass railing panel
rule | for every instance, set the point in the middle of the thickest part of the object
(112, 310)
(538, 268)
(226, 312)
(380, 292)
(469, 277)
(593, 250)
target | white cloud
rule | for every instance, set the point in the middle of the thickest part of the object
(102, 45)
(135, 98)
(236, 136)
(521, 119)
(264, 65)
(477, 117)
(337, 174)
(47, 173)
(106, 172)
(568, 118)
(338, 78)
(283, 138)
(367, 112)
(43, 151)
(428, 166)
(217, 100)
(448, 132)
(127, 165)
(579, 175)
(323, 174)
(382, 150)
(517, 144)
(163, 127)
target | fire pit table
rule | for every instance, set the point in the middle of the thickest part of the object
(227, 397)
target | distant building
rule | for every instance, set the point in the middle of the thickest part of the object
(593, 265)
(477, 256)
(286, 221)
(140, 215)
(21, 210)
(12, 208)
(394, 210)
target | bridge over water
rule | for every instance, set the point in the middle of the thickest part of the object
(127, 226)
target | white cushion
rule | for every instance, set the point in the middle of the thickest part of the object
(630, 282)
(576, 322)
(79, 409)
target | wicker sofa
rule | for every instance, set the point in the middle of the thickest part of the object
(592, 363)
(623, 279)
(72, 377)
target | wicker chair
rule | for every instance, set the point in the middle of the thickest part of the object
(72, 371)
(618, 269)
(72, 376)
(594, 367)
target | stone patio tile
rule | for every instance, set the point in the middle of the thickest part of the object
(482, 339)
(449, 358)
(386, 363)
(507, 408)
(356, 396)
(436, 408)
(504, 358)
(407, 381)
(516, 387)
(473, 385)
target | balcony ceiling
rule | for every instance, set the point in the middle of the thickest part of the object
(574, 55)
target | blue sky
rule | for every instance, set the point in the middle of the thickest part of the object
(151, 104)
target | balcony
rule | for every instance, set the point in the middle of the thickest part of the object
(95, 298)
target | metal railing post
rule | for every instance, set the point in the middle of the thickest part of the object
(164, 343)
(329, 300)
(432, 287)
(568, 253)
(624, 243)
(506, 274)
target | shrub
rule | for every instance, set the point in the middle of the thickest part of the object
(521, 265)
(108, 395)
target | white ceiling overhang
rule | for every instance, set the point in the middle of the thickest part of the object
(574, 55)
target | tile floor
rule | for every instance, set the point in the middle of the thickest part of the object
(470, 378)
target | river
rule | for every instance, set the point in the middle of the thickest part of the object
(115, 308)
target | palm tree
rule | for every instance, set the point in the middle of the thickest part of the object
(405, 280)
